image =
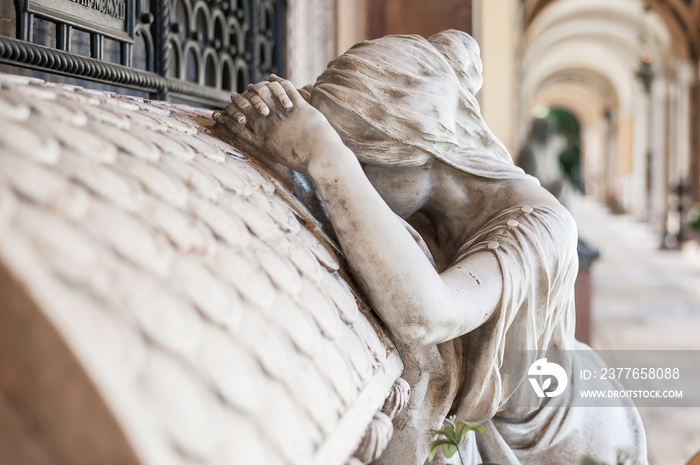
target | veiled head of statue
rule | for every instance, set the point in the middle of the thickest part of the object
(407, 100)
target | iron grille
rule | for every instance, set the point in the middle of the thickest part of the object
(196, 50)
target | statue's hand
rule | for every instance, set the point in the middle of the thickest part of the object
(272, 120)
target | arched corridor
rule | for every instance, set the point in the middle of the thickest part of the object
(625, 69)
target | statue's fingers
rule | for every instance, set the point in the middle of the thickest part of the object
(239, 130)
(257, 84)
(281, 95)
(260, 105)
(234, 112)
(240, 101)
(256, 99)
(240, 108)
(240, 117)
(264, 100)
(217, 115)
(289, 89)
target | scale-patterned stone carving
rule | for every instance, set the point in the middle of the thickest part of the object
(163, 300)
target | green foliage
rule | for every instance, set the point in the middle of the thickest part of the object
(568, 126)
(451, 436)
(588, 460)
(624, 457)
(694, 219)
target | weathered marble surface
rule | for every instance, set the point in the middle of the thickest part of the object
(164, 300)
(391, 133)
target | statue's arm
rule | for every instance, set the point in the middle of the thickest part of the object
(418, 304)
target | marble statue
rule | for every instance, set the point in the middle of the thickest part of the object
(391, 131)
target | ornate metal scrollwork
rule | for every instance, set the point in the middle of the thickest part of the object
(192, 49)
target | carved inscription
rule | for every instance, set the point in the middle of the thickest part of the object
(107, 17)
(114, 8)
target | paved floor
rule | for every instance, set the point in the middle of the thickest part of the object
(645, 298)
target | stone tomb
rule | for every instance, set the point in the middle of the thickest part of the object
(164, 300)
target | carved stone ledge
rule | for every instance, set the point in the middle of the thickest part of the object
(380, 429)
(398, 398)
(376, 438)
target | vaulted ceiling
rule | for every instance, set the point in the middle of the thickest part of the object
(682, 17)
(599, 45)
